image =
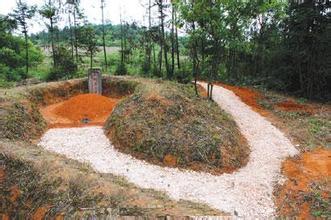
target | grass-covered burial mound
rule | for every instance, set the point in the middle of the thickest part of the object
(167, 124)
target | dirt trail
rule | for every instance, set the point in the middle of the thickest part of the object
(246, 193)
(80, 110)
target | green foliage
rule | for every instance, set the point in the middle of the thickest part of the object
(12, 53)
(66, 68)
(22, 14)
(88, 41)
(184, 75)
(275, 44)
(121, 69)
(307, 32)
(48, 11)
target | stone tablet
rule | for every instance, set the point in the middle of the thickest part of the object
(95, 81)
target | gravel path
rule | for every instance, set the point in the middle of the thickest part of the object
(246, 193)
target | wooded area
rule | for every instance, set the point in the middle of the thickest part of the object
(276, 44)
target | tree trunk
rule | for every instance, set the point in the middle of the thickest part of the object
(164, 44)
(75, 33)
(149, 55)
(71, 37)
(177, 43)
(160, 53)
(103, 34)
(26, 52)
(194, 59)
(154, 56)
(203, 55)
(211, 91)
(160, 60)
(122, 45)
(173, 40)
(52, 42)
(91, 60)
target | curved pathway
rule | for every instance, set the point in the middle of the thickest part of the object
(246, 193)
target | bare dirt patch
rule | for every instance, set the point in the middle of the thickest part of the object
(80, 110)
(14, 193)
(307, 191)
(2, 174)
(40, 213)
(291, 106)
(202, 91)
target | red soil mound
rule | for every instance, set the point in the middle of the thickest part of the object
(80, 110)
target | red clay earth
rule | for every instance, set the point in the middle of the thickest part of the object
(291, 106)
(2, 175)
(311, 167)
(248, 96)
(40, 213)
(93, 108)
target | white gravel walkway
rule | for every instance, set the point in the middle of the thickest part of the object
(246, 193)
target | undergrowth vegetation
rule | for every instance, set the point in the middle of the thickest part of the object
(308, 123)
(165, 123)
(21, 121)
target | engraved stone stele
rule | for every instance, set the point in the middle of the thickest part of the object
(95, 80)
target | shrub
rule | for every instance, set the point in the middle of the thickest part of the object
(121, 69)
(146, 67)
(65, 67)
(11, 74)
(12, 57)
(184, 75)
